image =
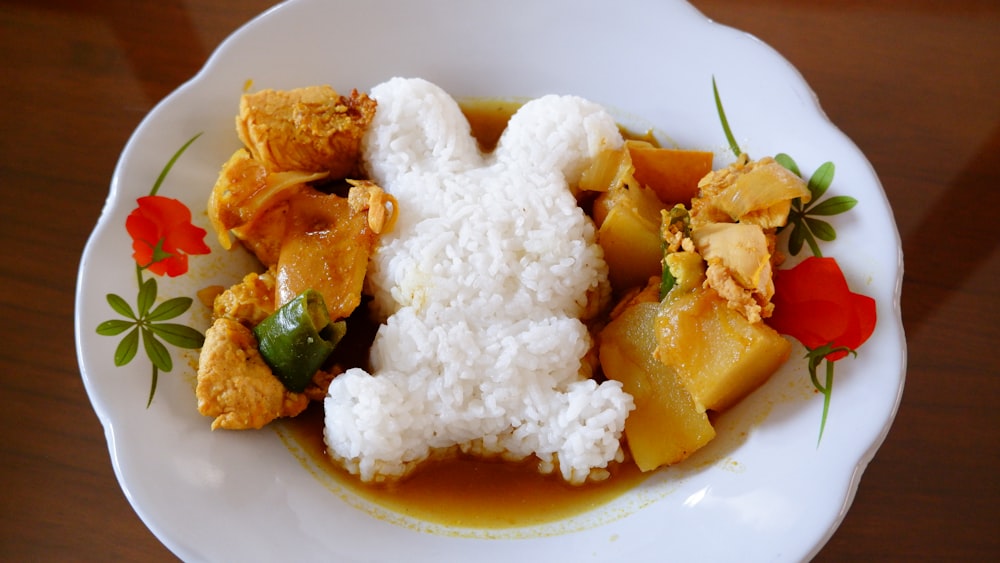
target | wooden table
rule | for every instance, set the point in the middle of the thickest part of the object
(915, 84)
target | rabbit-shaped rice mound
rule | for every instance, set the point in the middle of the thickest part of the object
(481, 285)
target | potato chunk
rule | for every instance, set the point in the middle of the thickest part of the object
(718, 355)
(666, 426)
(631, 248)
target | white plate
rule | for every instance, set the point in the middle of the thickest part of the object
(762, 491)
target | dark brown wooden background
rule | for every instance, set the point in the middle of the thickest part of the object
(916, 84)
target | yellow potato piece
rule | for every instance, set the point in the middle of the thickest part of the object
(718, 355)
(666, 425)
(631, 240)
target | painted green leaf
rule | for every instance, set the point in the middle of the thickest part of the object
(171, 308)
(114, 327)
(147, 296)
(834, 205)
(178, 335)
(796, 238)
(157, 352)
(821, 229)
(127, 348)
(120, 306)
(820, 180)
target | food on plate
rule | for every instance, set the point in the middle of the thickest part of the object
(298, 338)
(571, 296)
(667, 425)
(694, 339)
(484, 286)
(636, 183)
(305, 239)
(311, 129)
(235, 386)
(733, 222)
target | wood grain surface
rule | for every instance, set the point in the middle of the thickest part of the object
(915, 84)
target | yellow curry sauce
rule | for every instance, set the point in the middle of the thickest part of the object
(468, 492)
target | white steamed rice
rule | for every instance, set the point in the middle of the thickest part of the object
(481, 285)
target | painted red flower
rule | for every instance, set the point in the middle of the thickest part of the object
(813, 304)
(163, 235)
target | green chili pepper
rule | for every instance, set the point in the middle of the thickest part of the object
(677, 214)
(667, 280)
(297, 338)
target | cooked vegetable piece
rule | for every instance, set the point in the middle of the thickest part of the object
(764, 195)
(758, 192)
(631, 246)
(742, 249)
(674, 227)
(718, 355)
(244, 190)
(326, 244)
(630, 235)
(628, 214)
(235, 386)
(672, 173)
(298, 338)
(666, 425)
(610, 169)
(686, 268)
(739, 266)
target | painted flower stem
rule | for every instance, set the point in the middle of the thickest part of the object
(170, 164)
(814, 247)
(815, 357)
(152, 385)
(827, 391)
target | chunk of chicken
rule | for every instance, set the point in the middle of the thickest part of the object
(312, 129)
(250, 301)
(739, 266)
(235, 385)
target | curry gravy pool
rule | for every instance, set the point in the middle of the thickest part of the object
(468, 492)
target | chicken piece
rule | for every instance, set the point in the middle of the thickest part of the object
(245, 191)
(250, 301)
(328, 240)
(235, 385)
(739, 266)
(313, 129)
(755, 192)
